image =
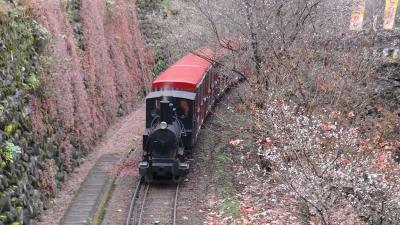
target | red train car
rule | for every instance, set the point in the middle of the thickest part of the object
(180, 100)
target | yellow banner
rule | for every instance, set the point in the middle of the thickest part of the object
(357, 15)
(390, 14)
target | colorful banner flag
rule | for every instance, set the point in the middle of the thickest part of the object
(357, 16)
(390, 14)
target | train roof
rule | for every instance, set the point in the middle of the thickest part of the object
(187, 73)
(172, 93)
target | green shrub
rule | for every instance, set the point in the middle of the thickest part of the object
(9, 150)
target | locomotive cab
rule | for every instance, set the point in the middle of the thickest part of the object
(182, 106)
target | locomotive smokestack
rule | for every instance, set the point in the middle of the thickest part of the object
(166, 111)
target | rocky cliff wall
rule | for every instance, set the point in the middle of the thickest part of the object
(68, 70)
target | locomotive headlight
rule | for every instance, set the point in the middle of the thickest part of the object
(163, 125)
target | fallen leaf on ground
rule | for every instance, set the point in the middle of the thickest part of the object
(235, 142)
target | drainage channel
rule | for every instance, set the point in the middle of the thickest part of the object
(86, 202)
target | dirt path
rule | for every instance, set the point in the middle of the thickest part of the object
(119, 139)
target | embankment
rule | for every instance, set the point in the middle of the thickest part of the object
(69, 69)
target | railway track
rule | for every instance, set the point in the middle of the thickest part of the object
(153, 204)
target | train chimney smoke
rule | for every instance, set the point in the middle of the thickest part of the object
(166, 111)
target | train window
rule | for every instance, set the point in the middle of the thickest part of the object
(210, 82)
(183, 109)
(156, 110)
(205, 85)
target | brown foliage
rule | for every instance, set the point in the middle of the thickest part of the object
(85, 90)
(46, 172)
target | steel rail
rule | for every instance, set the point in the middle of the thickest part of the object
(133, 201)
(143, 204)
(131, 218)
(175, 204)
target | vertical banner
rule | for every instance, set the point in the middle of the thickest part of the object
(357, 15)
(390, 14)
